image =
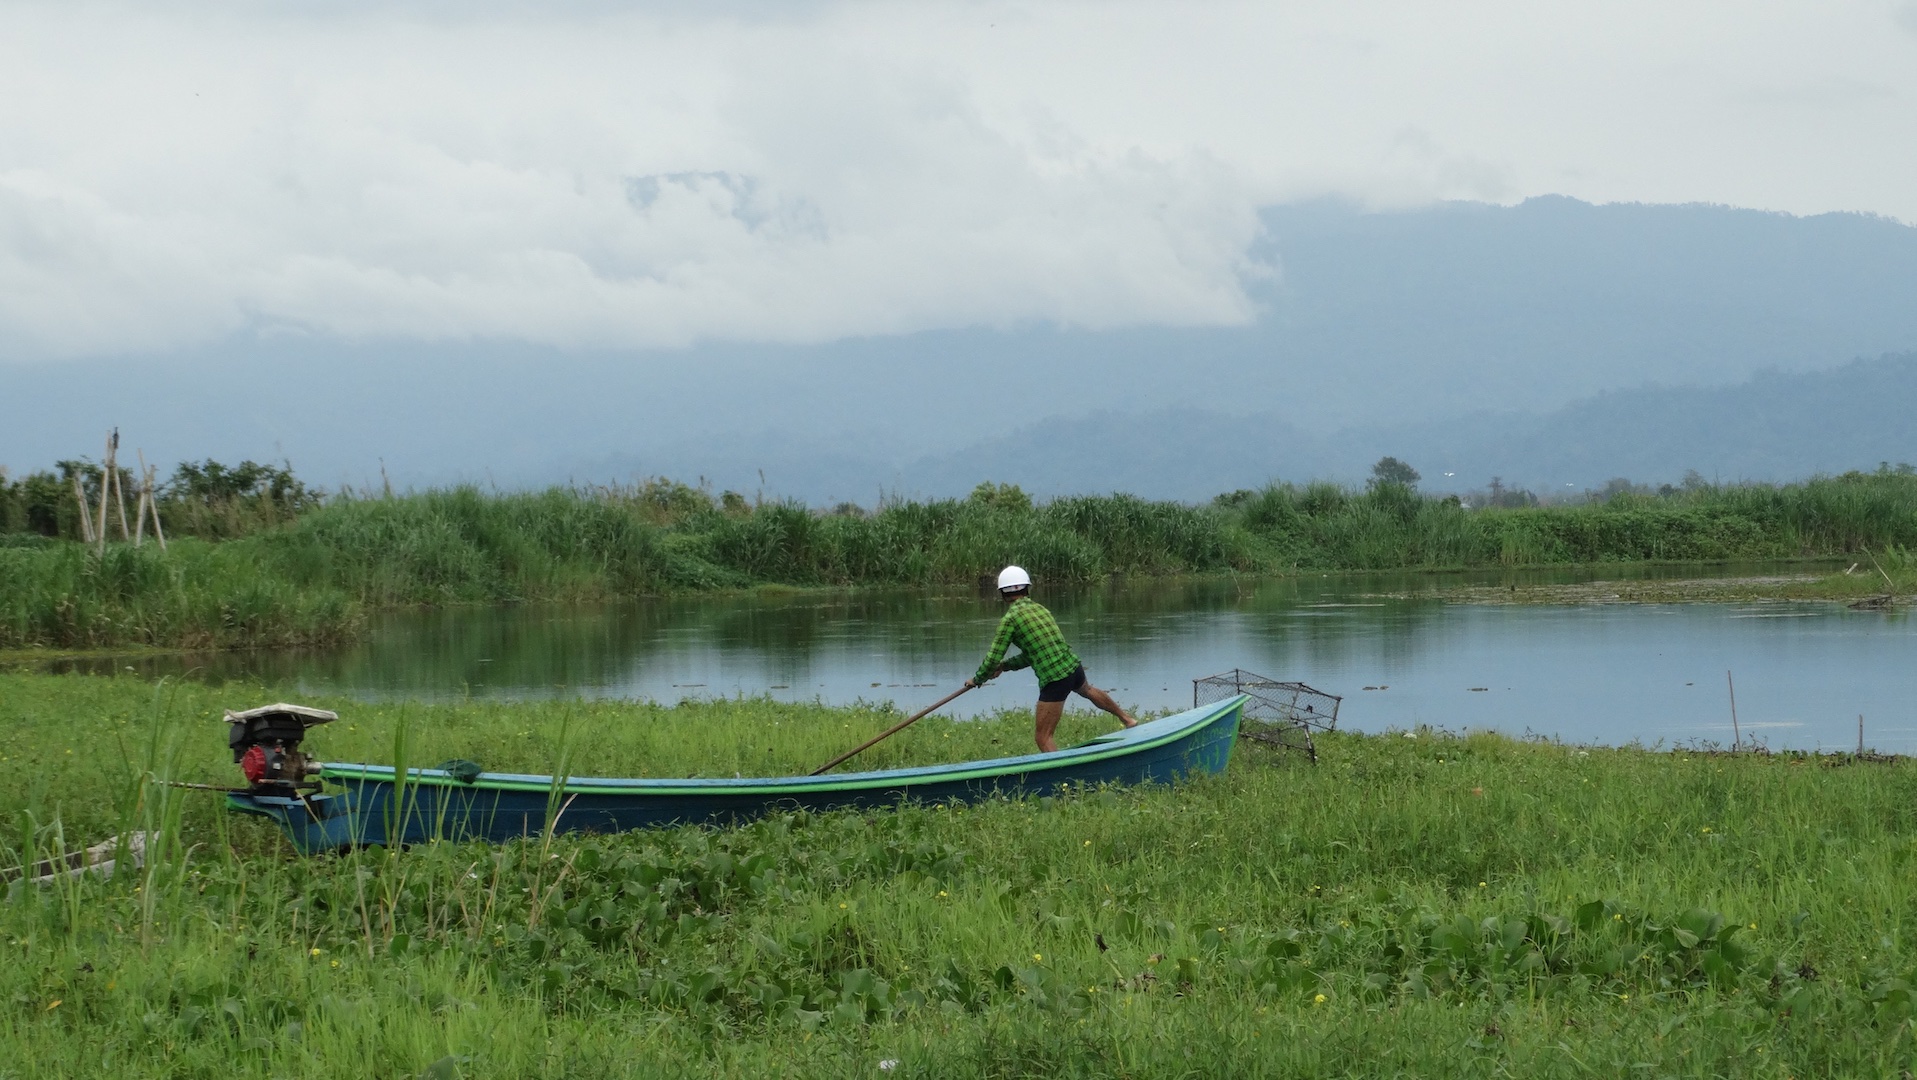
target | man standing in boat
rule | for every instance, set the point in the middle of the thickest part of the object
(1042, 648)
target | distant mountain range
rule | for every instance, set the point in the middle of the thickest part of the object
(1471, 339)
(1772, 427)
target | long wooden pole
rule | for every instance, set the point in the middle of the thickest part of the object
(158, 533)
(1880, 569)
(99, 530)
(86, 512)
(140, 500)
(119, 490)
(1736, 738)
(891, 731)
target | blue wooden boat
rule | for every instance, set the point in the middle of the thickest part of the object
(438, 804)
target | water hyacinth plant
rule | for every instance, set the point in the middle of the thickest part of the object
(1434, 906)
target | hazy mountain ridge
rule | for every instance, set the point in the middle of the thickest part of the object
(1772, 427)
(1441, 328)
(1533, 306)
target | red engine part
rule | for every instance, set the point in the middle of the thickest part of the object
(253, 763)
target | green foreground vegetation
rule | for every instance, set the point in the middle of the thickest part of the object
(255, 568)
(1414, 904)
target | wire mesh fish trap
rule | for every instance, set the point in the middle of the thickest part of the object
(1279, 713)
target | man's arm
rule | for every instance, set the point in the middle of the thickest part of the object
(995, 656)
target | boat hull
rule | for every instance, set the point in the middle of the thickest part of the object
(501, 806)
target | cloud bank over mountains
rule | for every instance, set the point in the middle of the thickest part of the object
(1460, 336)
(589, 176)
(587, 181)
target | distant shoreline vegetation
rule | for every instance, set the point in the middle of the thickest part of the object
(259, 559)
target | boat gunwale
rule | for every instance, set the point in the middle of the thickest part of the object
(1116, 744)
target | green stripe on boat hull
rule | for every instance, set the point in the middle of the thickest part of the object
(505, 806)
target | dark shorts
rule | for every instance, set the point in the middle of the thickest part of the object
(1062, 689)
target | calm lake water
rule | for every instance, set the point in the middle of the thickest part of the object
(1600, 673)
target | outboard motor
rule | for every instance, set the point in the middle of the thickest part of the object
(265, 744)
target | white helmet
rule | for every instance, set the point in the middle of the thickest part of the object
(1013, 577)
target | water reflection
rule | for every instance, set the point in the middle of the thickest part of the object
(1610, 674)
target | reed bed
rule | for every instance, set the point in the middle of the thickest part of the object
(1415, 904)
(193, 595)
(310, 580)
(1877, 577)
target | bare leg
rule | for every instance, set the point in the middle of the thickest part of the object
(1048, 714)
(1104, 701)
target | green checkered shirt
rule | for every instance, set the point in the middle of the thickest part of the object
(1041, 647)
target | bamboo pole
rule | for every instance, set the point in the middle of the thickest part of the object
(144, 501)
(99, 530)
(119, 491)
(158, 533)
(1880, 569)
(1736, 739)
(893, 730)
(86, 512)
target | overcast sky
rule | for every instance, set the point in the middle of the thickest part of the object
(591, 175)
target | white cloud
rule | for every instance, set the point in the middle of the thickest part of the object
(590, 175)
(605, 180)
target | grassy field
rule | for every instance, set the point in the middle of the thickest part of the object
(1414, 904)
(310, 578)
